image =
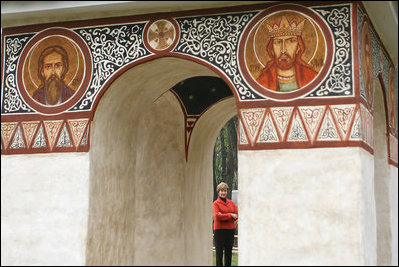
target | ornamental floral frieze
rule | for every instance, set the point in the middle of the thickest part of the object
(292, 66)
(65, 135)
(306, 127)
(234, 44)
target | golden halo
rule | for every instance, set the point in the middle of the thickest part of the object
(74, 75)
(261, 37)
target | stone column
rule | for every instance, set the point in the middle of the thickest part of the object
(306, 207)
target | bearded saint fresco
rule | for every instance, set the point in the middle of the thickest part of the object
(286, 71)
(53, 65)
(53, 71)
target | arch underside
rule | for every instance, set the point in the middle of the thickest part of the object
(147, 203)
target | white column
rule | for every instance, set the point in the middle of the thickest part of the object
(44, 209)
(394, 213)
(306, 207)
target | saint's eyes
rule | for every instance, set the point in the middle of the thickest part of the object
(280, 41)
(50, 66)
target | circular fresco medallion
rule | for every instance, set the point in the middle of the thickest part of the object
(160, 35)
(286, 52)
(54, 70)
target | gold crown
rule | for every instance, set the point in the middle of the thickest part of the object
(285, 28)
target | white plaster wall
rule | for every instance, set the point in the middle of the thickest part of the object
(368, 217)
(394, 213)
(304, 207)
(44, 205)
(159, 176)
(382, 180)
(140, 204)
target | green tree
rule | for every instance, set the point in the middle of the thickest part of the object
(225, 157)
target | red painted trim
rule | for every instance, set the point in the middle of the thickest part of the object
(280, 138)
(31, 150)
(306, 145)
(317, 131)
(183, 108)
(323, 71)
(299, 102)
(350, 125)
(79, 92)
(41, 117)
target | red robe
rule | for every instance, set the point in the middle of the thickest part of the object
(268, 77)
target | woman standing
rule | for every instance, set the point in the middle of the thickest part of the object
(225, 213)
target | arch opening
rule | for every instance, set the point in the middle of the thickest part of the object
(382, 179)
(147, 203)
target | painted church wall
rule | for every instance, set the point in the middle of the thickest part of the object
(121, 67)
(338, 56)
(44, 206)
(324, 214)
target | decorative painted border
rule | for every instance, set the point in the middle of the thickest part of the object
(310, 126)
(211, 38)
(45, 136)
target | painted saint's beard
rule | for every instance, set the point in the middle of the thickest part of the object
(53, 90)
(285, 62)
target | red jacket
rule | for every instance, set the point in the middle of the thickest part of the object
(268, 77)
(222, 214)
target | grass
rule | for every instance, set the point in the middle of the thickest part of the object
(234, 258)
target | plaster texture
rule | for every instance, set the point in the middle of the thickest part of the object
(382, 182)
(198, 183)
(147, 207)
(394, 213)
(305, 207)
(44, 205)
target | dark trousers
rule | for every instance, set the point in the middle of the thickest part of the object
(224, 240)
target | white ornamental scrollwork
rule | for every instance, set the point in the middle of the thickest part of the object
(215, 39)
(111, 48)
(339, 80)
(12, 101)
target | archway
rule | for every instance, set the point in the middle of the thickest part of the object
(148, 205)
(382, 178)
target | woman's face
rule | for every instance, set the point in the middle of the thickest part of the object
(223, 193)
